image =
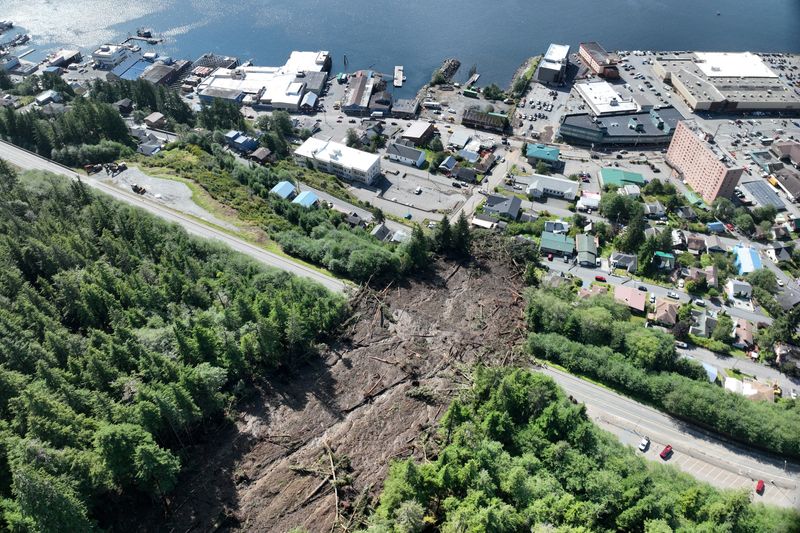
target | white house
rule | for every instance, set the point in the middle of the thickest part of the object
(408, 155)
(338, 159)
(541, 186)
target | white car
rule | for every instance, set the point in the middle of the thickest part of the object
(700, 302)
(780, 282)
(682, 345)
(644, 444)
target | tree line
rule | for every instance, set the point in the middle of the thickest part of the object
(513, 454)
(593, 339)
(122, 339)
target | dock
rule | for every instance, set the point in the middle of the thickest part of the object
(473, 79)
(399, 78)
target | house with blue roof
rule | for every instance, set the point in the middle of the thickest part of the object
(746, 259)
(306, 199)
(239, 141)
(284, 189)
(448, 164)
(716, 227)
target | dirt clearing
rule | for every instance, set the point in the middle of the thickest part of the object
(373, 396)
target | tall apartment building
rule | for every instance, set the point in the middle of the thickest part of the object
(704, 165)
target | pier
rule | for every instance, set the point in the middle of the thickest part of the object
(399, 78)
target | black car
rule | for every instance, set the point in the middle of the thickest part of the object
(642, 288)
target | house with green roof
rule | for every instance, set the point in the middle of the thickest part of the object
(541, 153)
(587, 250)
(664, 260)
(553, 243)
(619, 178)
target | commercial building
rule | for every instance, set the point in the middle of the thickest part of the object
(359, 90)
(408, 155)
(62, 58)
(339, 160)
(705, 167)
(418, 132)
(612, 176)
(484, 121)
(643, 128)
(761, 194)
(726, 82)
(109, 56)
(541, 186)
(266, 87)
(598, 60)
(553, 66)
(603, 99)
(541, 153)
(405, 108)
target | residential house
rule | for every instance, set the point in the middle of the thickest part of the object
(686, 212)
(481, 220)
(652, 231)
(556, 226)
(780, 233)
(485, 163)
(704, 323)
(778, 252)
(746, 260)
(664, 260)
(788, 298)
(630, 296)
(408, 155)
(381, 232)
(262, 154)
(695, 244)
(787, 357)
(467, 175)
(503, 206)
(241, 142)
(654, 210)
(712, 276)
(306, 199)
(591, 291)
(528, 216)
(149, 148)
(45, 97)
(353, 220)
(624, 261)
(743, 334)
(284, 189)
(448, 164)
(124, 106)
(588, 200)
(714, 245)
(468, 155)
(586, 247)
(716, 227)
(541, 186)
(552, 243)
(735, 288)
(155, 120)
(678, 239)
(666, 312)
(750, 389)
(630, 190)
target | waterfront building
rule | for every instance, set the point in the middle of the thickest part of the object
(707, 169)
(598, 60)
(339, 159)
(553, 66)
(109, 56)
(602, 99)
(726, 82)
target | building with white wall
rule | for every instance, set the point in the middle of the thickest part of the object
(339, 160)
(109, 56)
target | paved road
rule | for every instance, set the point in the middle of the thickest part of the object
(588, 274)
(29, 161)
(701, 454)
(763, 373)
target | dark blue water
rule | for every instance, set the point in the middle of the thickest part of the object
(496, 36)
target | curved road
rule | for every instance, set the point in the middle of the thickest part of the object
(29, 161)
(697, 452)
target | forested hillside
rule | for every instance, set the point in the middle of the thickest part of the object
(516, 455)
(120, 338)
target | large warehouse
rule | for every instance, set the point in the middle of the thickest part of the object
(553, 67)
(723, 81)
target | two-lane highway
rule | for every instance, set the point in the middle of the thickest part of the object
(697, 452)
(29, 161)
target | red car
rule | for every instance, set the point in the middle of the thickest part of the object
(666, 452)
(760, 486)
(549, 257)
(600, 278)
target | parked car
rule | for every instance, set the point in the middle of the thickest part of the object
(673, 295)
(666, 452)
(642, 288)
(644, 444)
(700, 302)
(549, 257)
(652, 297)
(780, 282)
(682, 345)
(600, 278)
(760, 486)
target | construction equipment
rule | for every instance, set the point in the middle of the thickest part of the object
(138, 189)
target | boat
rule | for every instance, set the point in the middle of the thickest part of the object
(144, 32)
(399, 78)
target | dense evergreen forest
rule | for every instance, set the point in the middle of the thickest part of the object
(516, 455)
(121, 339)
(594, 338)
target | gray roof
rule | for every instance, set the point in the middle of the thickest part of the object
(762, 194)
(586, 247)
(617, 125)
(788, 298)
(503, 205)
(401, 150)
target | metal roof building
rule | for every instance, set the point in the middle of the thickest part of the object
(759, 192)
(555, 243)
(284, 189)
(306, 199)
(618, 177)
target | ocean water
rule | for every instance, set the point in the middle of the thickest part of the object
(496, 36)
